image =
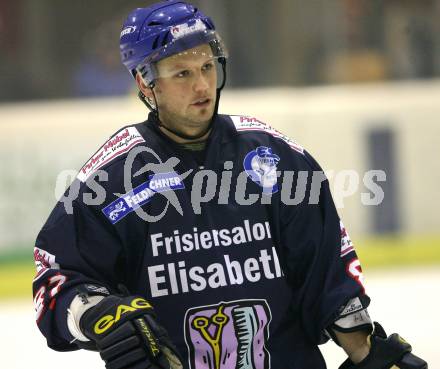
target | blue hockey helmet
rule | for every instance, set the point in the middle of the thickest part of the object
(164, 29)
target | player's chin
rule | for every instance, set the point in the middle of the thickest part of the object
(202, 114)
(200, 123)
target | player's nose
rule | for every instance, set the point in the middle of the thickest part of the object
(200, 83)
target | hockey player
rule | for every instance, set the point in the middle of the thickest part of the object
(183, 246)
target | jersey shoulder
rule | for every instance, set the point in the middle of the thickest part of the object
(118, 145)
(248, 125)
(253, 128)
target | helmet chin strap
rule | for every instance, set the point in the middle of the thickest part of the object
(184, 136)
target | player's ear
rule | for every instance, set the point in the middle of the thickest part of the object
(143, 86)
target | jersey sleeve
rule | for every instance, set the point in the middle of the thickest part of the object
(74, 250)
(319, 259)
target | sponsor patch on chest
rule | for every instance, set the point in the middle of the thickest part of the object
(141, 195)
(231, 334)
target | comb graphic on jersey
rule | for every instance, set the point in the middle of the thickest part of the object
(246, 327)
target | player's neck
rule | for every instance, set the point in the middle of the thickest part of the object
(183, 140)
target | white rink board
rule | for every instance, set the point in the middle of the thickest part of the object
(39, 140)
(405, 301)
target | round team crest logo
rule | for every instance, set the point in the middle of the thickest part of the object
(261, 167)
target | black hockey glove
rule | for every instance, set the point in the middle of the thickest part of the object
(386, 353)
(127, 335)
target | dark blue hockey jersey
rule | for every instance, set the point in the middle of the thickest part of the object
(244, 258)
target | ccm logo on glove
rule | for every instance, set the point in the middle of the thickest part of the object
(103, 324)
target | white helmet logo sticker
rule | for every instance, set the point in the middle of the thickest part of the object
(185, 29)
(128, 30)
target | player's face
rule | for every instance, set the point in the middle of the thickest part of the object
(186, 90)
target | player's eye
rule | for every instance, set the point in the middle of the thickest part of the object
(208, 66)
(183, 74)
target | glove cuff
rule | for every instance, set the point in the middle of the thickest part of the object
(384, 352)
(76, 310)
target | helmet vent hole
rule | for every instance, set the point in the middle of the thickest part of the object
(156, 41)
(154, 23)
(165, 38)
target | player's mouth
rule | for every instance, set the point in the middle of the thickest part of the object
(202, 103)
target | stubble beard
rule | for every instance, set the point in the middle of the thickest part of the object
(189, 125)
